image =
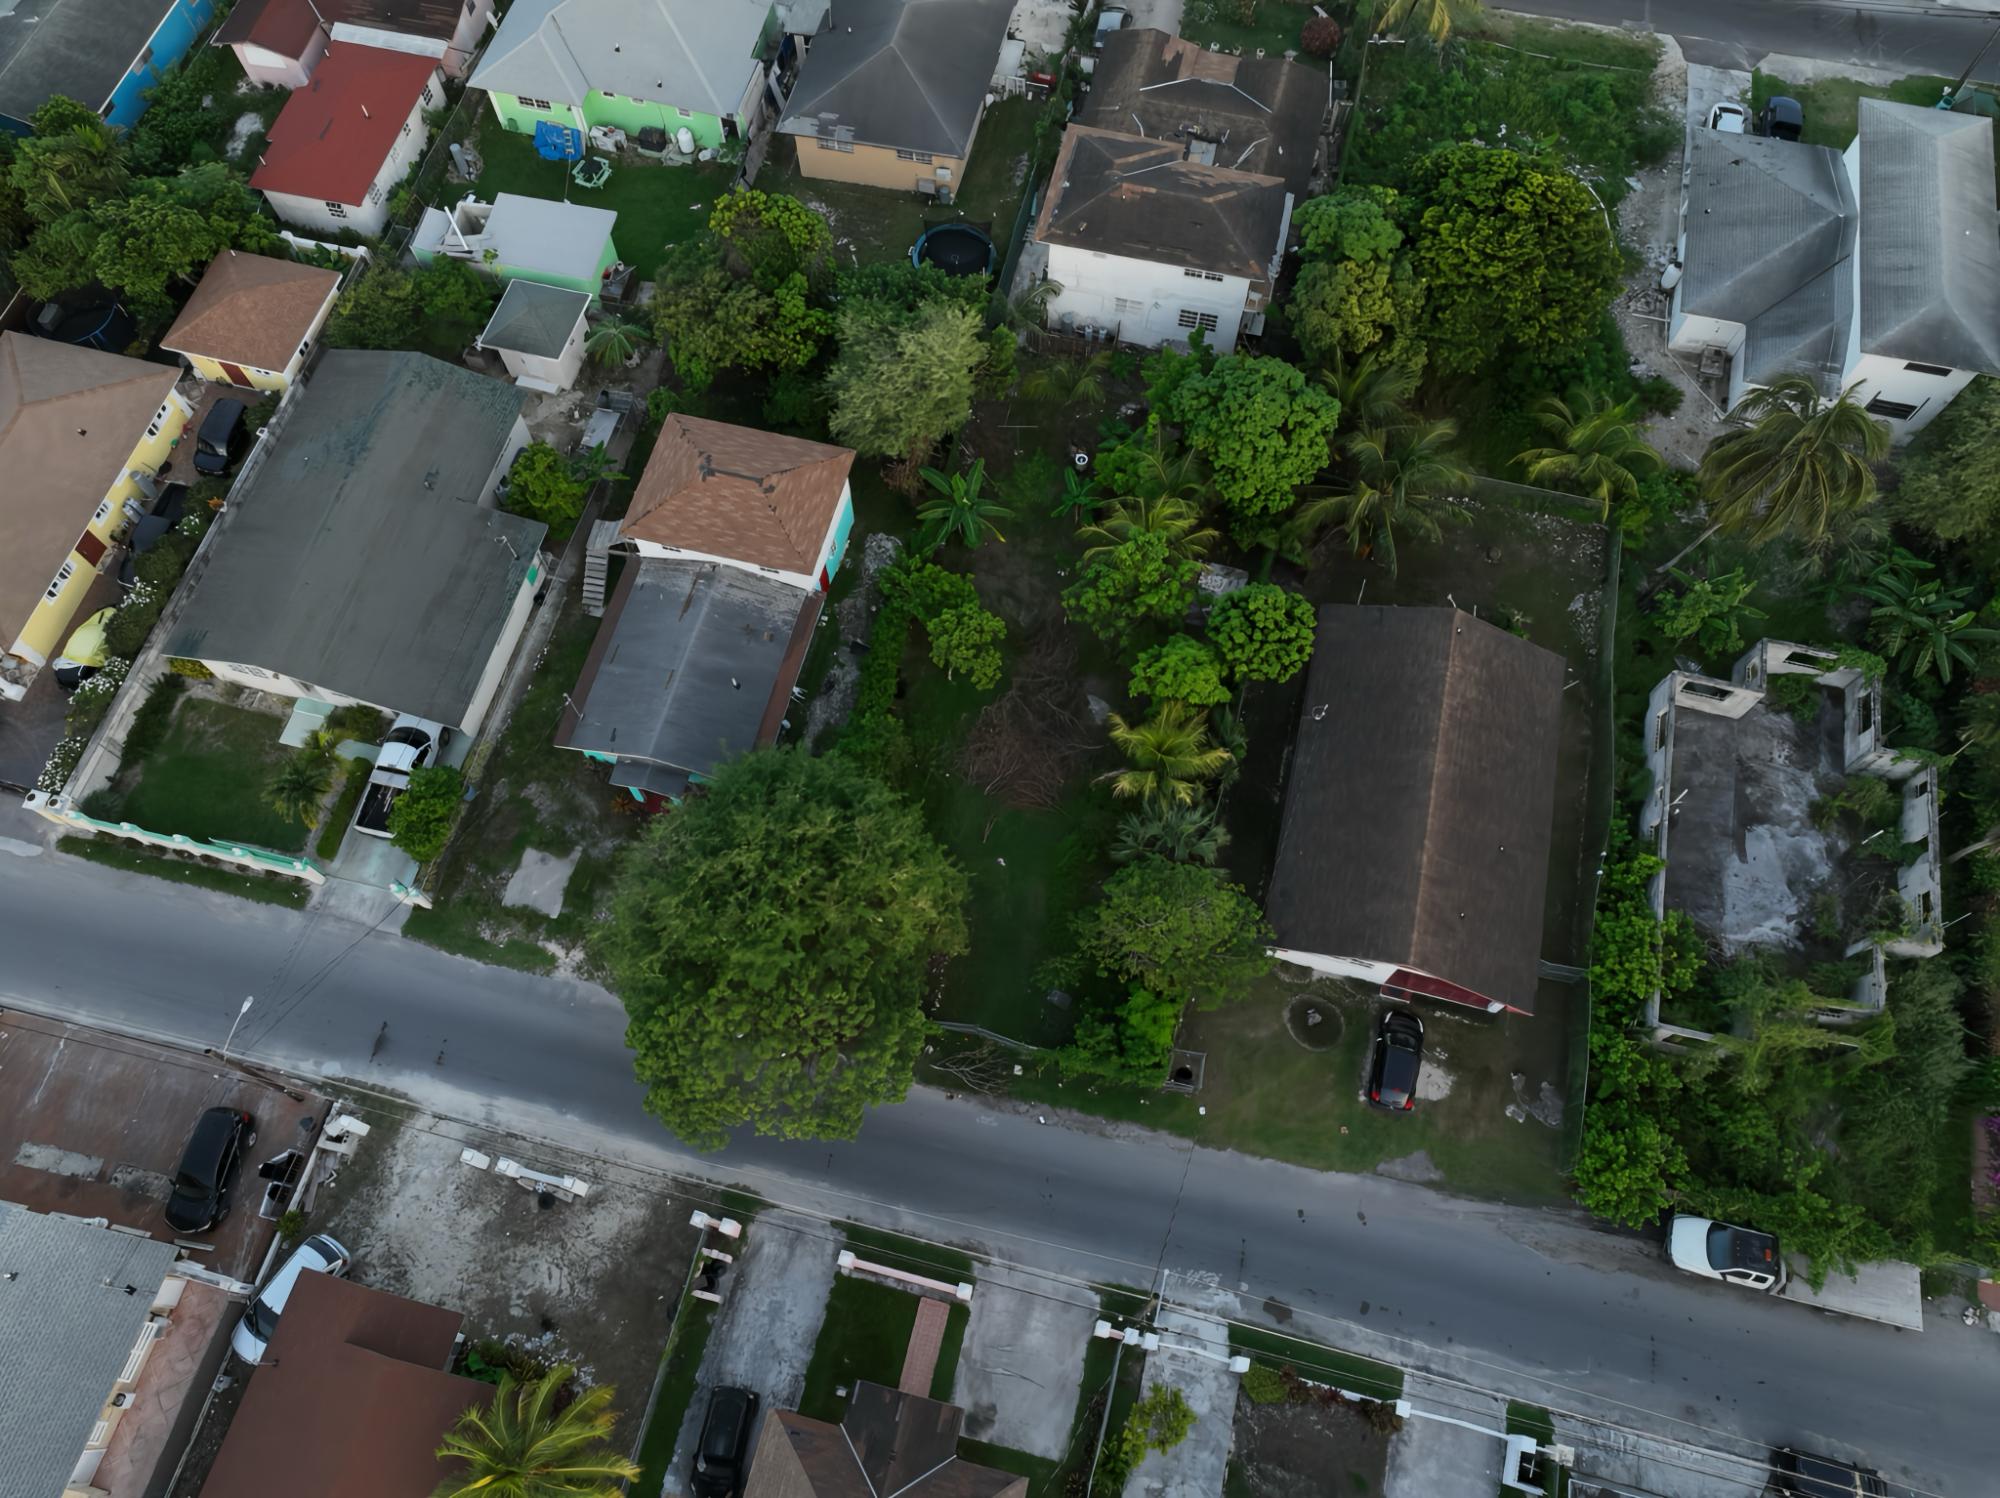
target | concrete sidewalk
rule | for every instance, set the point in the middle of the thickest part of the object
(1198, 1466)
(1430, 1457)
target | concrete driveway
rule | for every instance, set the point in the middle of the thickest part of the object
(1021, 1365)
(1199, 1465)
(1430, 1457)
(1708, 87)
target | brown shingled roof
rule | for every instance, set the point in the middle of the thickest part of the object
(285, 27)
(735, 492)
(888, 1442)
(351, 1399)
(251, 309)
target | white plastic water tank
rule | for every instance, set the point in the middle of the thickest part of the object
(684, 138)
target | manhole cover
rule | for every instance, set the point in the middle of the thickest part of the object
(1313, 1022)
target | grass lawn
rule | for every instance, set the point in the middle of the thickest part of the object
(1833, 105)
(271, 889)
(656, 205)
(685, 1346)
(206, 780)
(333, 827)
(865, 1335)
(1952, 1225)
(1275, 28)
(1311, 1360)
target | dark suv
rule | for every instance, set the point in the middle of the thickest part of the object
(1800, 1474)
(201, 1183)
(725, 1440)
(215, 443)
(1398, 1061)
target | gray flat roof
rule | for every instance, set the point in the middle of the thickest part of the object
(67, 1325)
(81, 49)
(534, 319)
(694, 662)
(357, 558)
(910, 74)
(695, 56)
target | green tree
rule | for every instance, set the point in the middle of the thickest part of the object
(420, 820)
(1710, 611)
(709, 319)
(529, 1444)
(298, 785)
(1924, 626)
(1798, 467)
(1177, 929)
(1404, 480)
(1437, 19)
(1171, 754)
(1130, 1044)
(1183, 669)
(1372, 390)
(1598, 449)
(967, 639)
(1628, 1165)
(545, 485)
(1262, 632)
(771, 941)
(1349, 223)
(448, 300)
(1515, 255)
(903, 379)
(1184, 834)
(1068, 384)
(1137, 583)
(768, 238)
(1261, 426)
(961, 512)
(1176, 520)
(1949, 486)
(1348, 307)
(69, 170)
(615, 340)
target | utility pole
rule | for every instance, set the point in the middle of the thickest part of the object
(1951, 94)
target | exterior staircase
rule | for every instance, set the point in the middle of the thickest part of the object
(596, 564)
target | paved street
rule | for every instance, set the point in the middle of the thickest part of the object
(1538, 1304)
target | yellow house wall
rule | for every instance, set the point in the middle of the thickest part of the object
(211, 370)
(874, 166)
(49, 625)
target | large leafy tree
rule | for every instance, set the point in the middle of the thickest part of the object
(1177, 929)
(1799, 467)
(1515, 253)
(767, 238)
(1141, 581)
(709, 319)
(1261, 426)
(1349, 307)
(1597, 449)
(1183, 669)
(1262, 632)
(903, 378)
(448, 300)
(528, 1444)
(1350, 223)
(1949, 486)
(770, 940)
(1403, 479)
(1172, 755)
(421, 819)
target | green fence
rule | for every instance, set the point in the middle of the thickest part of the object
(244, 855)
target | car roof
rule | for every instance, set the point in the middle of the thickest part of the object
(1820, 1476)
(1749, 1249)
(316, 1253)
(223, 413)
(212, 1130)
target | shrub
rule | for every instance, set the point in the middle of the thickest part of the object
(155, 715)
(62, 764)
(1320, 37)
(1266, 1385)
(1183, 669)
(1262, 632)
(420, 822)
(181, 665)
(92, 700)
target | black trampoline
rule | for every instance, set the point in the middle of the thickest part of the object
(957, 249)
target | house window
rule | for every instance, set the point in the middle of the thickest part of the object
(828, 143)
(1929, 369)
(374, 192)
(1894, 410)
(1126, 307)
(1660, 730)
(1201, 275)
(427, 93)
(527, 103)
(406, 127)
(1206, 321)
(336, 210)
(1705, 689)
(63, 574)
(146, 56)
(103, 509)
(919, 156)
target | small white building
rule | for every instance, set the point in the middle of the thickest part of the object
(280, 42)
(1151, 244)
(343, 143)
(538, 332)
(1876, 268)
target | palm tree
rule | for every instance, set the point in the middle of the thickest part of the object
(1598, 449)
(615, 340)
(298, 785)
(1798, 467)
(960, 513)
(1171, 755)
(1069, 382)
(1184, 834)
(1372, 390)
(1437, 18)
(523, 1447)
(1404, 477)
(1167, 515)
(1030, 308)
(1919, 621)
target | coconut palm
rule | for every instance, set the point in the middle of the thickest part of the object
(1175, 519)
(1404, 478)
(1372, 389)
(1924, 625)
(1436, 18)
(1030, 308)
(1598, 449)
(1184, 834)
(1171, 754)
(960, 512)
(523, 1446)
(615, 340)
(298, 785)
(1069, 383)
(1800, 465)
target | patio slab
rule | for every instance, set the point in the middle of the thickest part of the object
(539, 882)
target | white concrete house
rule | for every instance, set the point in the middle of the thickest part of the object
(1877, 267)
(343, 143)
(538, 332)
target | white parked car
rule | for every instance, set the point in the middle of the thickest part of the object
(319, 1254)
(1730, 119)
(1717, 1251)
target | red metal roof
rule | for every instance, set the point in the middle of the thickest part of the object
(285, 27)
(333, 135)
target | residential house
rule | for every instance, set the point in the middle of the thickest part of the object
(105, 54)
(1413, 851)
(362, 559)
(345, 141)
(517, 238)
(891, 95)
(91, 1318)
(353, 1398)
(252, 319)
(1875, 268)
(280, 42)
(732, 537)
(632, 65)
(84, 434)
(886, 1442)
(1153, 246)
(1739, 769)
(538, 332)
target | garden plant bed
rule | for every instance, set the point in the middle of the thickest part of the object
(1283, 1449)
(270, 889)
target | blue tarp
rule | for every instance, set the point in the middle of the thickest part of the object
(558, 142)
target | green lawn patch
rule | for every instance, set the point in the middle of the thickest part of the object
(271, 889)
(657, 205)
(865, 1335)
(333, 830)
(1321, 1364)
(1833, 105)
(682, 1359)
(206, 780)
(1274, 27)
(1952, 1224)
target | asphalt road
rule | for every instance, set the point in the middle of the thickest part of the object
(1904, 38)
(1536, 1304)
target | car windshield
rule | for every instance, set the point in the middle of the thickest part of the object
(263, 1320)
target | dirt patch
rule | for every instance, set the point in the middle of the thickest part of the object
(1418, 1169)
(1285, 1449)
(1313, 1023)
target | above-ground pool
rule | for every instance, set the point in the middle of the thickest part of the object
(957, 249)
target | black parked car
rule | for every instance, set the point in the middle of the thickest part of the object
(725, 1442)
(201, 1183)
(215, 443)
(1782, 119)
(1800, 1474)
(1397, 1061)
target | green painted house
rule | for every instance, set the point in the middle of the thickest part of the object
(632, 64)
(526, 239)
